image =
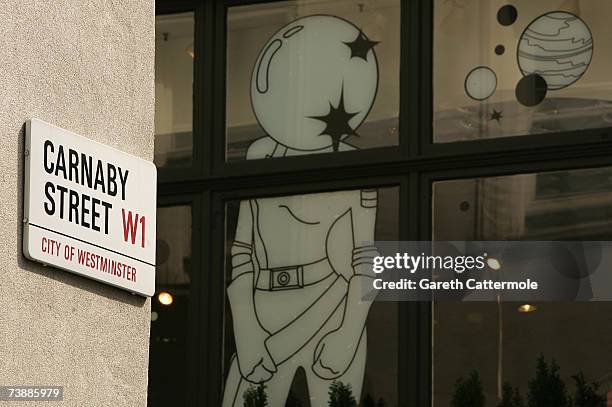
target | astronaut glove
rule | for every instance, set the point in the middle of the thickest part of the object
(254, 360)
(335, 352)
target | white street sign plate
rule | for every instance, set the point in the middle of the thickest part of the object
(89, 208)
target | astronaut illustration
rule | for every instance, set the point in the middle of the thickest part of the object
(299, 263)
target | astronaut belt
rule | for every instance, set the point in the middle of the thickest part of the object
(293, 277)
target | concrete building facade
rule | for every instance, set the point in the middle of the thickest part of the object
(86, 66)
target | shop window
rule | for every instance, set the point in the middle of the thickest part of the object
(520, 69)
(505, 342)
(325, 78)
(294, 315)
(306, 77)
(174, 55)
(169, 341)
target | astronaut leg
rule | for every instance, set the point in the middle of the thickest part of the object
(277, 388)
(318, 387)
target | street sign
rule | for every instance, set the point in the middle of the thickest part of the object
(89, 208)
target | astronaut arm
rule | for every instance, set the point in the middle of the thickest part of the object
(364, 224)
(240, 289)
(254, 360)
(335, 351)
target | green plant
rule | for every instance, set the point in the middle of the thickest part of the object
(255, 396)
(517, 399)
(587, 394)
(547, 389)
(469, 393)
(511, 397)
(341, 395)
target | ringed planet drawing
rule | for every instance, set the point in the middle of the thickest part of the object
(558, 46)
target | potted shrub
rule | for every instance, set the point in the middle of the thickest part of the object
(587, 394)
(511, 397)
(255, 396)
(547, 389)
(469, 393)
(341, 395)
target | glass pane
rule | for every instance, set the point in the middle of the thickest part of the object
(503, 341)
(529, 67)
(294, 317)
(168, 353)
(174, 55)
(310, 76)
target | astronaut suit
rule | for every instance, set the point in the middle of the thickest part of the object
(299, 263)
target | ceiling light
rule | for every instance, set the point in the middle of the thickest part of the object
(493, 263)
(165, 298)
(526, 308)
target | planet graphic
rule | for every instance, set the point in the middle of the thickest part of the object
(558, 46)
(480, 83)
(507, 15)
(531, 90)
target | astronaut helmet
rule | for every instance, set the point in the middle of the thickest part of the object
(314, 82)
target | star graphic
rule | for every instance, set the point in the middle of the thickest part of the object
(496, 116)
(337, 122)
(360, 46)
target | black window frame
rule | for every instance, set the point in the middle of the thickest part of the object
(197, 203)
(414, 165)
